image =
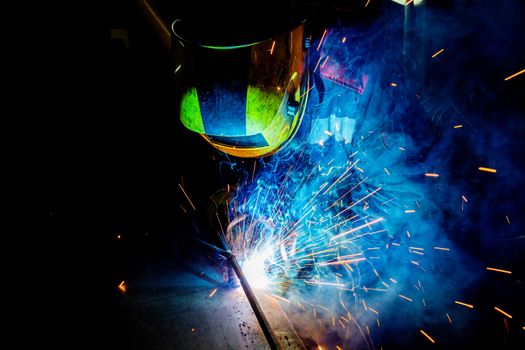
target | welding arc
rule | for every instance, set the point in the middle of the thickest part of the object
(257, 310)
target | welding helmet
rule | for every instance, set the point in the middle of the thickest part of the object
(242, 87)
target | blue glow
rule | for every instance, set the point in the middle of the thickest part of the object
(354, 233)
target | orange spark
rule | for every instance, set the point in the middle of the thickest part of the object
(459, 126)
(322, 38)
(440, 248)
(410, 211)
(213, 292)
(359, 201)
(437, 53)
(431, 174)
(515, 74)
(428, 336)
(188, 198)
(273, 47)
(367, 3)
(393, 84)
(416, 248)
(404, 297)
(283, 299)
(488, 170)
(122, 287)
(357, 228)
(321, 252)
(503, 312)
(317, 64)
(322, 65)
(449, 319)
(324, 283)
(464, 304)
(343, 40)
(499, 270)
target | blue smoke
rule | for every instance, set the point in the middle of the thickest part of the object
(376, 218)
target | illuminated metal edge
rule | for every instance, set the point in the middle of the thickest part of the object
(159, 25)
(257, 310)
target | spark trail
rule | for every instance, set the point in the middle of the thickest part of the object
(346, 232)
(308, 243)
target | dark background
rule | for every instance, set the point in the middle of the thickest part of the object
(95, 151)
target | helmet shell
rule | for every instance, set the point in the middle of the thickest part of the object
(246, 99)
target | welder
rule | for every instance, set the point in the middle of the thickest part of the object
(248, 82)
(247, 79)
(244, 84)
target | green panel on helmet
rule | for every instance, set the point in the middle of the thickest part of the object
(277, 131)
(261, 106)
(190, 112)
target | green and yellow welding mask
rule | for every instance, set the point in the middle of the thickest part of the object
(246, 95)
